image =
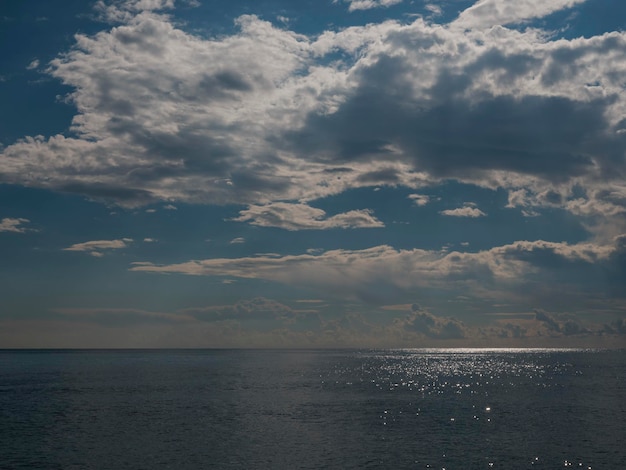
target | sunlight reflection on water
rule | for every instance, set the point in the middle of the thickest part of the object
(453, 409)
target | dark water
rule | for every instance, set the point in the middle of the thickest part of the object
(437, 409)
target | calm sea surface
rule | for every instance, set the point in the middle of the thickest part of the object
(196, 409)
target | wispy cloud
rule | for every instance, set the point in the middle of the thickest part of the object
(98, 247)
(487, 13)
(14, 225)
(419, 199)
(33, 65)
(382, 273)
(125, 315)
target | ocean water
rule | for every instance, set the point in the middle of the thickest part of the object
(343, 409)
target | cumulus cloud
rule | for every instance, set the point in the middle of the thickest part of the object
(304, 217)
(14, 225)
(466, 211)
(560, 324)
(97, 247)
(422, 321)
(262, 115)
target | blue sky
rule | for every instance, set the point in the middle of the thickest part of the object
(347, 173)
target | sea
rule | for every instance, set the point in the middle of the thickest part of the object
(452, 409)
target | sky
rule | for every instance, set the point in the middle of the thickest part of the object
(320, 173)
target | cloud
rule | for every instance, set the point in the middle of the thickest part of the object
(14, 225)
(435, 10)
(549, 321)
(382, 274)
(163, 114)
(487, 13)
(33, 65)
(560, 324)
(616, 327)
(369, 4)
(263, 115)
(465, 211)
(423, 322)
(419, 199)
(123, 11)
(237, 241)
(304, 217)
(96, 247)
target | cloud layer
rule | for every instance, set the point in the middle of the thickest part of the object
(524, 271)
(269, 117)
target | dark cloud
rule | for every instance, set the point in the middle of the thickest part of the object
(547, 137)
(548, 320)
(514, 331)
(617, 327)
(561, 324)
(421, 321)
(223, 85)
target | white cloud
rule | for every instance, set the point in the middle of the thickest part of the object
(237, 241)
(419, 199)
(262, 115)
(383, 271)
(435, 10)
(303, 217)
(487, 13)
(465, 211)
(96, 247)
(33, 65)
(123, 11)
(369, 4)
(14, 225)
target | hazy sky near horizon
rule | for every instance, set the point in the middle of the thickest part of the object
(319, 173)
